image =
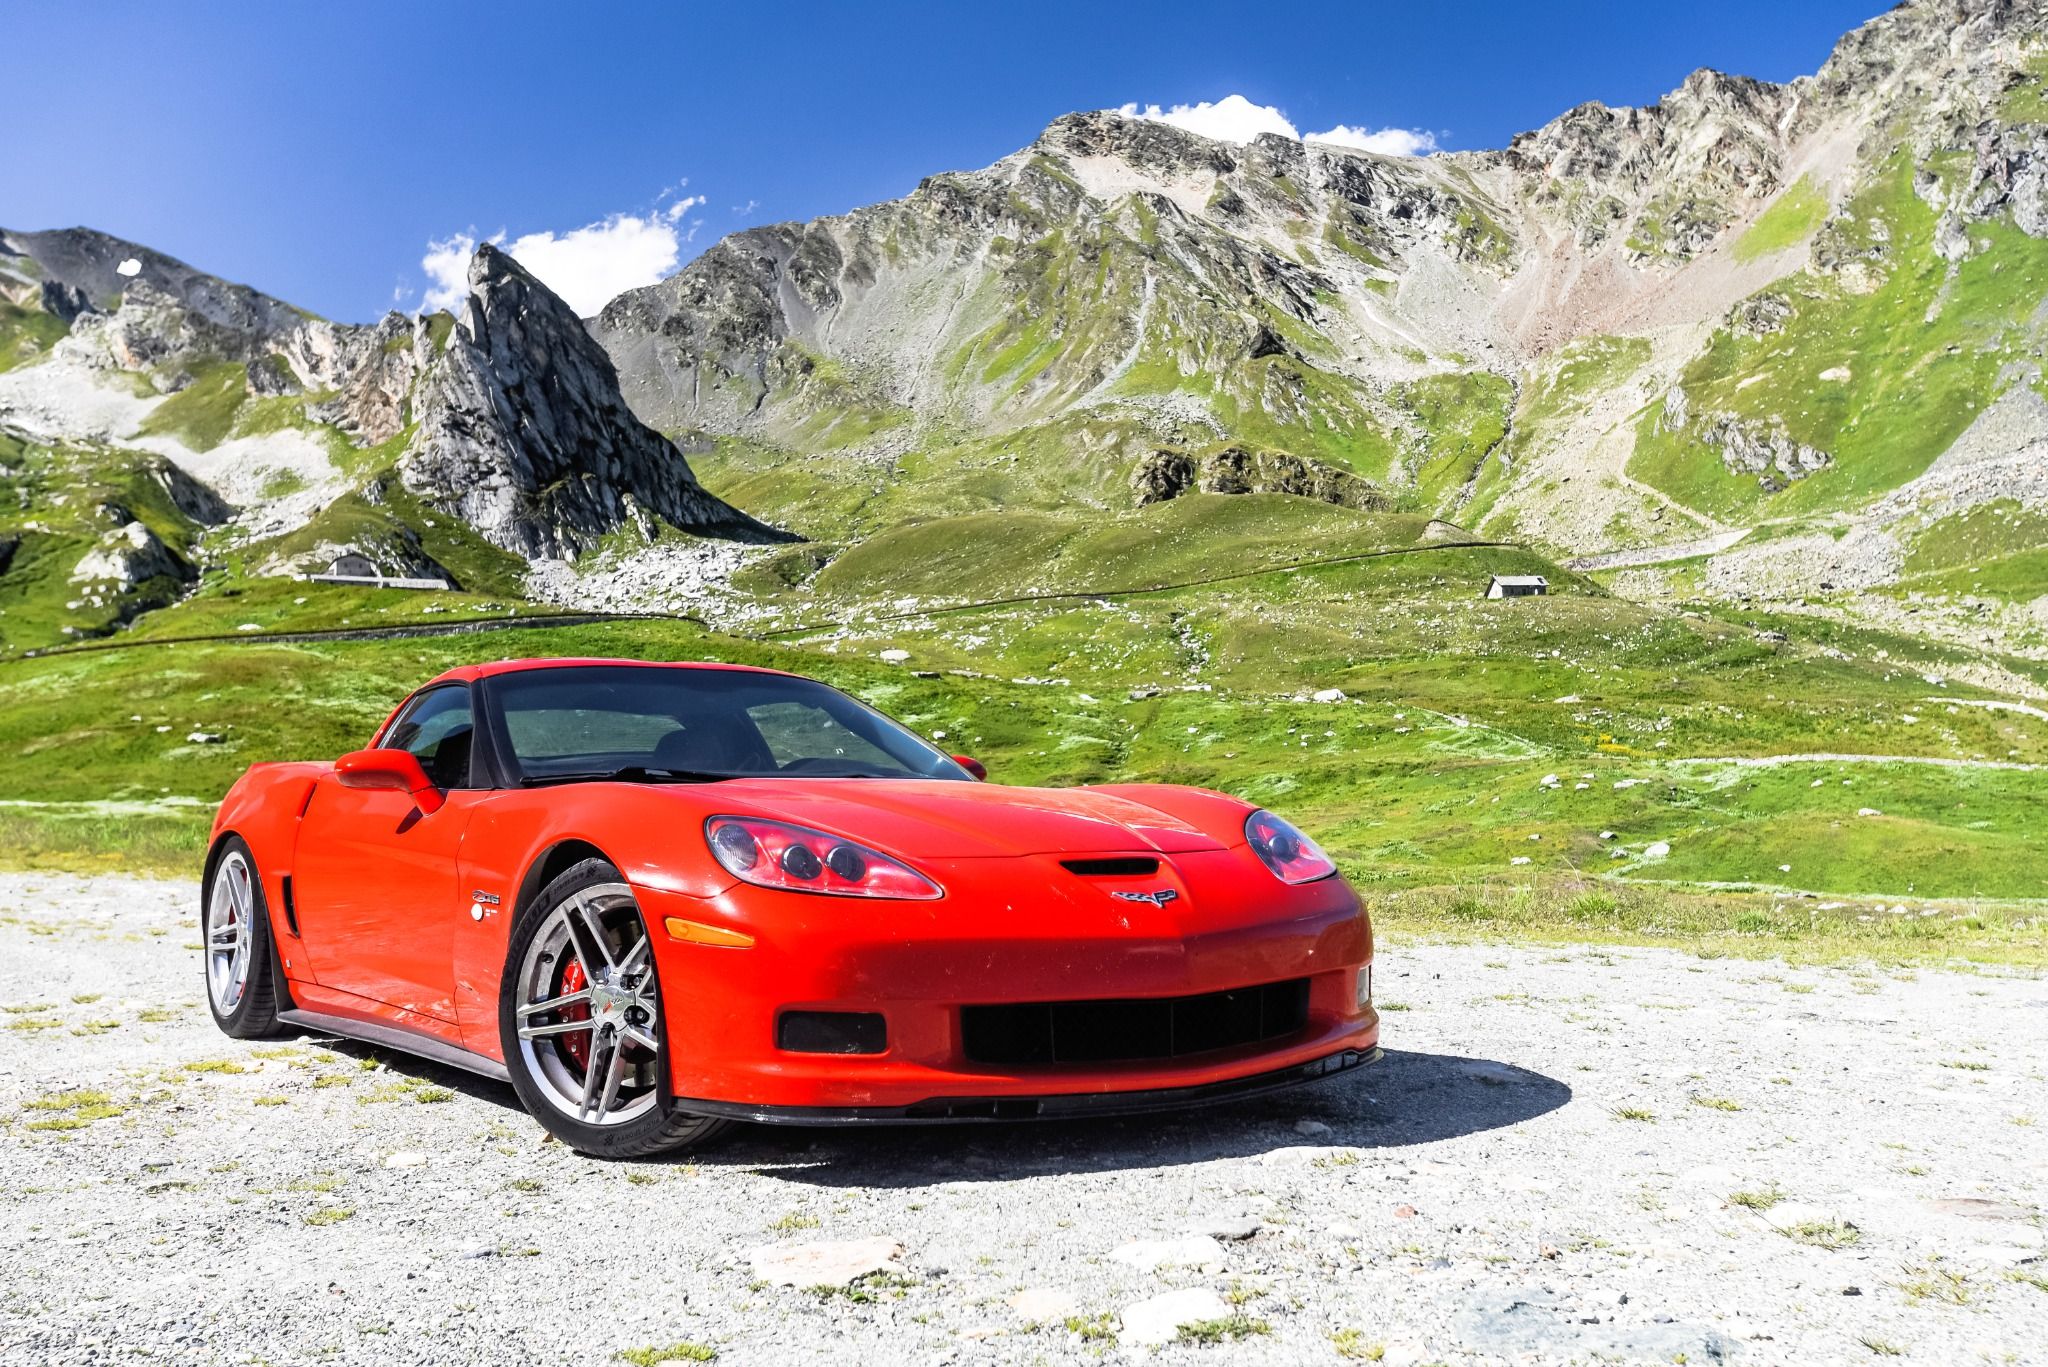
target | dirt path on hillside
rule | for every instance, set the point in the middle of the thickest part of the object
(1567, 1154)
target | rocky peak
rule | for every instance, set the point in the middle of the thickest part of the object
(1666, 177)
(523, 433)
(1147, 144)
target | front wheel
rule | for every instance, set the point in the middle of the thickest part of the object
(581, 1021)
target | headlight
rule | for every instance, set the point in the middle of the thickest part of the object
(775, 854)
(1292, 856)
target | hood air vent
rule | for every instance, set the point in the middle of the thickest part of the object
(1117, 866)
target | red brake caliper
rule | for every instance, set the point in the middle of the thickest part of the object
(577, 1042)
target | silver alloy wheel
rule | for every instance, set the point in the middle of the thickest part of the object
(230, 932)
(587, 987)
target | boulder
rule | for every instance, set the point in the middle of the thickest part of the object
(130, 556)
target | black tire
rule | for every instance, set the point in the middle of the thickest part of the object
(660, 1127)
(251, 1012)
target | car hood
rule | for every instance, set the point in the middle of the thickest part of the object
(948, 819)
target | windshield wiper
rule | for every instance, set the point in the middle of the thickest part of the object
(631, 773)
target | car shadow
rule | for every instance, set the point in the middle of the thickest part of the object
(1406, 1099)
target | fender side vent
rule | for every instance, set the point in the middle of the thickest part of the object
(1115, 866)
(291, 908)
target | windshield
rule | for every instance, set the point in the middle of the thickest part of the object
(602, 721)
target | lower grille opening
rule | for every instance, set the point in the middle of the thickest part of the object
(831, 1032)
(1129, 1030)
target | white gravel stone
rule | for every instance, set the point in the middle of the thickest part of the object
(1149, 1255)
(1158, 1321)
(1044, 1304)
(828, 1263)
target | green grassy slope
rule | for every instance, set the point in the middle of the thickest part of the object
(65, 501)
(992, 555)
(1883, 380)
(1998, 548)
(26, 334)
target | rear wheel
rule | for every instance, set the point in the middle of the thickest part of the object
(241, 982)
(581, 1021)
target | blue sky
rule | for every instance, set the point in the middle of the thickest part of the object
(318, 151)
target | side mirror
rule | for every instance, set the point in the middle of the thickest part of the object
(396, 771)
(972, 766)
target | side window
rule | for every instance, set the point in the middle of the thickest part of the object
(436, 727)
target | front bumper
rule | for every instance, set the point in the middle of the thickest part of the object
(1005, 933)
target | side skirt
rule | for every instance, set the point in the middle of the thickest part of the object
(391, 1037)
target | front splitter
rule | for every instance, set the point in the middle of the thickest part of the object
(957, 1110)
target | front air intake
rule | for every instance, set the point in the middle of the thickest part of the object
(1113, 866)
(831, 1032)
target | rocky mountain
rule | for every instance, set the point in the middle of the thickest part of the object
(1757, 340)
(280, 442)
(1751, 310)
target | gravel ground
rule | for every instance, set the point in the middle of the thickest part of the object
(1568, 1155)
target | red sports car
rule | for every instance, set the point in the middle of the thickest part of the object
(660, 898)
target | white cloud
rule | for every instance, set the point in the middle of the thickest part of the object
(1230, 119)
(447, 266)
(1236, 119)
(587, 266)
(1390, 142)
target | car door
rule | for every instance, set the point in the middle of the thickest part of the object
(375, 879)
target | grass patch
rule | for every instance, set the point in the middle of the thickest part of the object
(868, 1290)
(1757, 1199)
(670, 1352)
(1091, 1328)
(1792, 217)
(1830, 1234)
(1210, 1332)
(73, 1110)
(1353, 1344)
(202, 414)
(1938, 1284)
